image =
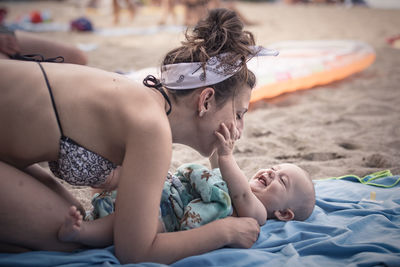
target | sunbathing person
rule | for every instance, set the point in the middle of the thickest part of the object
(195, 196)
(15, 44)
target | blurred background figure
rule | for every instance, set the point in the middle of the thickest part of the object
(168, 9)
(14, 44)
(117, 7)
(347, 2)
(93, 4)
(194, 11)
(197, 9)
(294, 1)
(130, 5)
(230, 4)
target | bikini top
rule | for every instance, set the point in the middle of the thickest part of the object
(77, 165)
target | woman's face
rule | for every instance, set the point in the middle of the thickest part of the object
(232, 111)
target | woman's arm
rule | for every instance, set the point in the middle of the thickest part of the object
(143, 172)
(245, 202)
(231, 231)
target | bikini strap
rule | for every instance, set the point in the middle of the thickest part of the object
(52, 97)
(37, 58)
(153, 82)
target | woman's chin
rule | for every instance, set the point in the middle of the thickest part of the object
(206, 152)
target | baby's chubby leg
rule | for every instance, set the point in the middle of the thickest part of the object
(70, 230)
(96, 233)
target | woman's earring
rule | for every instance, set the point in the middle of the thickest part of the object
(201, 113)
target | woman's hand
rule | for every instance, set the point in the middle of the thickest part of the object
(227, 137)
(243, 231)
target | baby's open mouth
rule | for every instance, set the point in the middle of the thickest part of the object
(262, 180)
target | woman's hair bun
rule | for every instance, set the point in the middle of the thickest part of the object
(220, 32)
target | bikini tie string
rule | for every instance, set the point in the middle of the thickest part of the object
(37, 58)
(153, 82)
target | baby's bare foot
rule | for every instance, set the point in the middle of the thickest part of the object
(72, 226)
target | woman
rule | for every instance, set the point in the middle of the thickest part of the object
(106, 120)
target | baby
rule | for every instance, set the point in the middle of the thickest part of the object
(195, 196)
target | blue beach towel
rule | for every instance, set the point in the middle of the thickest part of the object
(347, 228)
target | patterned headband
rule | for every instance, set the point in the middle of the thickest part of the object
(183, 76)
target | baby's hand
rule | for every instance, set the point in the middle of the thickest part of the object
(227, 137)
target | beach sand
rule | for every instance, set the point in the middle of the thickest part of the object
(347, 127)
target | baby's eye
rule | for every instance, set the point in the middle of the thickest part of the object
(282, 177)
(239, 116)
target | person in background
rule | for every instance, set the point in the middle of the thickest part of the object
(17, 44)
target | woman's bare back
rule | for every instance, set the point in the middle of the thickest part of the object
(89, 110)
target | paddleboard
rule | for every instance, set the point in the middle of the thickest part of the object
(305, 64)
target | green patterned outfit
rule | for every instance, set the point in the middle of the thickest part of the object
(191, 197)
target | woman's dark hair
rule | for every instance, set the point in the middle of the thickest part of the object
(220, 32)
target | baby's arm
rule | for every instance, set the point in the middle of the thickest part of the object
(244, 201)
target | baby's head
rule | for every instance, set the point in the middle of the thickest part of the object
(286, 191)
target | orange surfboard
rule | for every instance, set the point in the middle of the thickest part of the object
(305, 64)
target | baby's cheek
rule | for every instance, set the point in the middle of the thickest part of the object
(274, 190)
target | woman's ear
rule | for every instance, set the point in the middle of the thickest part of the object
(205, 100)
(284, 215)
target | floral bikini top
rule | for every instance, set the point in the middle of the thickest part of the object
(76, 164)
(79, 166)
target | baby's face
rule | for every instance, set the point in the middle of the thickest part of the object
(280, 186)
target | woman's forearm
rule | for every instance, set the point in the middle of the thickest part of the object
(170, 247)
(230, 231)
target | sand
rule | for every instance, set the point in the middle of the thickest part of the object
(347, 127)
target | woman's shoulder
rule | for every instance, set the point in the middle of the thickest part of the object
(109, 97)
(102, 91)
(139, 101)
(140, 110)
